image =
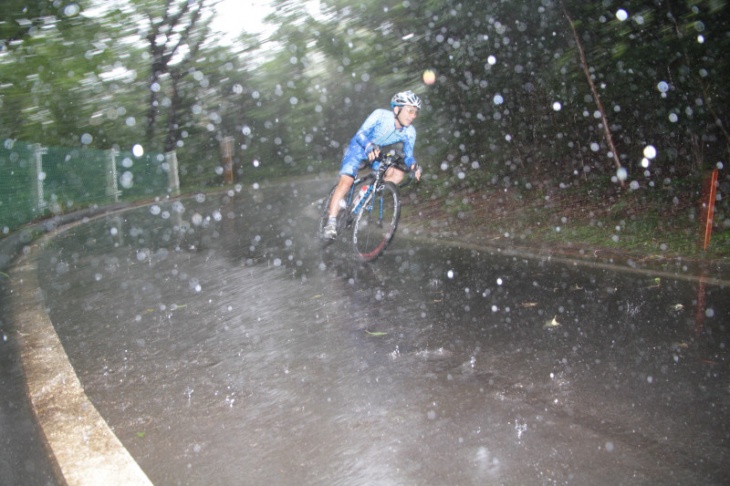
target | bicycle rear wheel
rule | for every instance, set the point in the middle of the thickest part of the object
(344, 217)
(376, 223)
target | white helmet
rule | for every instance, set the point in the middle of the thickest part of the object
(406, 98)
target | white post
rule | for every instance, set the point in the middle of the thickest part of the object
(112, 186)
(38, 177)
(173, 178)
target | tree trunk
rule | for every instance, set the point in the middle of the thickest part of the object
(596, 97)
(173, 112)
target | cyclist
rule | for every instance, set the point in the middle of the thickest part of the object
(382, 127)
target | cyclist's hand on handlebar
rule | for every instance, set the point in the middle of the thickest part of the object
(373, 152)
(418, 172)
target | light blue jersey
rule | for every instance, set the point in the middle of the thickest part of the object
(378, 129)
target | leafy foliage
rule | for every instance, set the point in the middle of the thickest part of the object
(510, 105)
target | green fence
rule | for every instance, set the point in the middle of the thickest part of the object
(37, 181)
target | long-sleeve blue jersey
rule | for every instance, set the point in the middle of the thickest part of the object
(378, 129)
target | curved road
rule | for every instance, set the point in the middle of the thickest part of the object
(221, 345)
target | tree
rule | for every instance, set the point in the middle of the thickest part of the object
(175, 31)
(49, 76)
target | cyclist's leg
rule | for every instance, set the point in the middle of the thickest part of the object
(394, 175)
(348, 173)
(343, 185)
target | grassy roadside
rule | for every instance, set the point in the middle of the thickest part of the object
(647, 224)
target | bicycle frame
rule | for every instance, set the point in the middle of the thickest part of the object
(370, 215)
(389, 161)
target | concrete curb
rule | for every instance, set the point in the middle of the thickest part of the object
(85, 450)
(716, 277)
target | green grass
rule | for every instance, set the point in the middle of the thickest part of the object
(651, 222)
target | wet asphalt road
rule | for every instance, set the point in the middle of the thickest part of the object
(223, 346)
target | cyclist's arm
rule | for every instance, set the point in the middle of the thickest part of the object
(408, 145)
(364, 135)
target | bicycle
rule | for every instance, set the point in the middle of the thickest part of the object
(372, 210)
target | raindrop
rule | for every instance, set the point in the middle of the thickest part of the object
(622, 14)
(663, 86)
(622, 173)
(71, 10)
(557, 106)
(649, 152)
(86, 139)
(137, 150)
(498, 99)
(127, 180)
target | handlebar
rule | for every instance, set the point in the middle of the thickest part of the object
(391, 158)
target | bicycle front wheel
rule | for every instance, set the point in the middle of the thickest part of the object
(376, 223)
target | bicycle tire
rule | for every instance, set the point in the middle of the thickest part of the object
(376, 223)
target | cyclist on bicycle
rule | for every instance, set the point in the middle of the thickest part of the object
(382, 127)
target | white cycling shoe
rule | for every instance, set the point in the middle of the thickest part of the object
(329, 232)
